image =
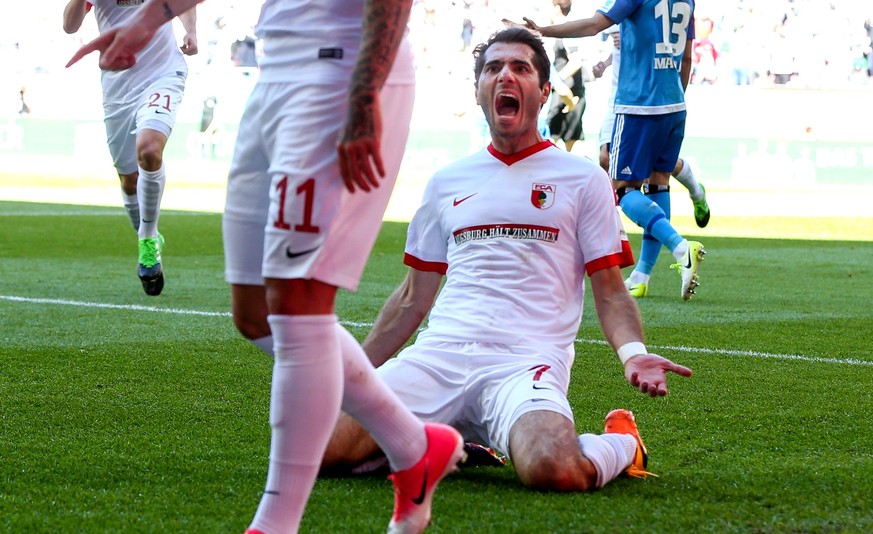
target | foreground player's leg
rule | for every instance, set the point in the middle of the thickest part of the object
(368, 400)
(419, 455)
(304, 404)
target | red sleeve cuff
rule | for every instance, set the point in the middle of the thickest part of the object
(625, 258)
(427, 266)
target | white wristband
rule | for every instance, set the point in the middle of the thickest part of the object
(629, 350)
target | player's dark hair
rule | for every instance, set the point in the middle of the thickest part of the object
(514, 35)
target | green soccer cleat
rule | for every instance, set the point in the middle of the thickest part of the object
(689, 267)
(701, 210)
(637, 290)
(149, 266)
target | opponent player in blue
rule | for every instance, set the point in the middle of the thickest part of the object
(656, 38)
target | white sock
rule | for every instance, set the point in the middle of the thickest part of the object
(636, 277)
(611, 454)
(131, 206)
(680, 250)
(304, 405)
(265, 344)
(686, 177)
(395, 429)
(150, 189)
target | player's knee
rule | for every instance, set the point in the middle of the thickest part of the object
(150, 155)
(623, 190)
(559, 474)
(251, 327)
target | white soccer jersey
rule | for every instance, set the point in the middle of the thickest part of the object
(159, 58)
(515, 236)
(317, 42)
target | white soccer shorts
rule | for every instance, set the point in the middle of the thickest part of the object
(479, 388)
(154, 109)
(288, 214)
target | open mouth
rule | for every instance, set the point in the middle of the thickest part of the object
(506, 105)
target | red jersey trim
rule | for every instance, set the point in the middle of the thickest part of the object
(623, 259)
(509, 159)
(427, 266)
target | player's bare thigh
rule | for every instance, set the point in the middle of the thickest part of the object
(349, 446)
(545, 452)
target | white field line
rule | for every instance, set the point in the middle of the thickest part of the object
(91, 213)
(691, 350)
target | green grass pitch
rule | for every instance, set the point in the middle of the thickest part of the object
(125, 413)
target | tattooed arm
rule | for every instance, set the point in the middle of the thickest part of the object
(118, 46)
(360, 158)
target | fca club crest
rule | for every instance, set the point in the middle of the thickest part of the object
(542, 196)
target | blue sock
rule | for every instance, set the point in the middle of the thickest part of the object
(648, 254)
(649, 216)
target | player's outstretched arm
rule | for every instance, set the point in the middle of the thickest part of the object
(622, 326)
(358, 147)
(574, 28)
(118, 46)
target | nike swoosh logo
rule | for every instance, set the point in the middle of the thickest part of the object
(688, 265)
(539, 387)
(270, 492)
(293, 255)
(456, 201)
(420, 499)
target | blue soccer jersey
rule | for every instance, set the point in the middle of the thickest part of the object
(653, 38)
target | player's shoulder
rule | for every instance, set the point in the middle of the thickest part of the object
(573, 161)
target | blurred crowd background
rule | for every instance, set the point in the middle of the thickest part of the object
(800, 43)
(781, 93)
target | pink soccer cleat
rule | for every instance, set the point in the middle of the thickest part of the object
(414, 487)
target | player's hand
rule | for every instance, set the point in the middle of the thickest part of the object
(531, 25)
(569, 102)
(648, 373)
(598, 69)
(117, 47)
(358, 148)
(189, 44)
(527, 24)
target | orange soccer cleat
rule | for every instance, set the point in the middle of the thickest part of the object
(622, 422)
